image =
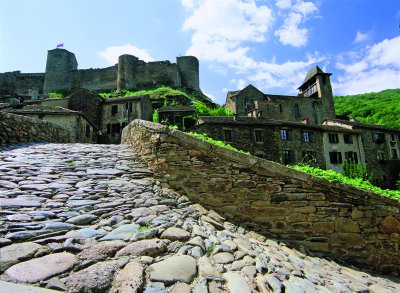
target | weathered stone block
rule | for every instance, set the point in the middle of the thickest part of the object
(305, 210)
(275, 211)
(349, 239)
(356, 214)
(390, 225)
(324, 227)
(346, 225)
(268, 188)
(297, 218)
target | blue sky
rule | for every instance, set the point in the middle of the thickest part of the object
(270, 44)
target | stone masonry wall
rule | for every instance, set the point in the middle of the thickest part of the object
(19, 129)
(329, 219)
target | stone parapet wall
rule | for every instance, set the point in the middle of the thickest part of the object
(16, 129)
(329, 219)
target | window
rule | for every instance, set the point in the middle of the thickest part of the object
(87, 130)
(115, 128)
(124, 124)
(306, 136)
(381, 156)
(352, 156)
(108, 128)
(287, 157)
(228, 135)
(378, 137)
(333, 137)
(296, 111)
(392, 138)
(114, 109)
(335, 157)
(177, 119)
(395, 155)
(84, 102)
(323, 79)
(348, 138)
(280, 108)
(284, 134)
(258, 135)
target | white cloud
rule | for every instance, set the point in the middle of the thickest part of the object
(283, 4)
(360, 37)
(210, 96)
(111, 54)
(290, 33)
(225, 29)
(222, 28)
(373, 68)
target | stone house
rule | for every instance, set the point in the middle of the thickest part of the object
(81, 129)
(181, 116)
(116, 113)
(381, 149)
(107, 116)
(314, 101)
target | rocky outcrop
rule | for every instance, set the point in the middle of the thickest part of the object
(329, 219)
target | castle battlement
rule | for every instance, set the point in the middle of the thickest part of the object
(130, 73)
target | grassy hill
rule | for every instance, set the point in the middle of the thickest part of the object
(377, 108)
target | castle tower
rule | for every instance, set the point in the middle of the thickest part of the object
(317, 84)
(60, 69)
(126, 78)
(189, 69)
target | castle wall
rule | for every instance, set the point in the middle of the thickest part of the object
(157, 74)
(97, 79)
(61, 70)
(330, 219)
(189, 69)
(22, 82)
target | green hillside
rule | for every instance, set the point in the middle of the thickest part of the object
(377, 108)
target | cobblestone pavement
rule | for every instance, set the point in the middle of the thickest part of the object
(91, 218)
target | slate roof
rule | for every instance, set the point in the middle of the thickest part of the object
(177, 108)
(357, 124)
(44, 109)
(123, 99)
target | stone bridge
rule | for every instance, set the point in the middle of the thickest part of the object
(92, 218)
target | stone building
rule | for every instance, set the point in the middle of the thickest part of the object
(116, 113)
(304, 128)
(381, 149)
(62, 73)
(181, 116)
(285, 142)
(80, 129)
(314, 101)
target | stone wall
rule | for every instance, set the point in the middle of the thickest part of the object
(97, 79)
(22, 82)
(329, 219)
(19, 129)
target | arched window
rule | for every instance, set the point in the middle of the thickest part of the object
(296, 111)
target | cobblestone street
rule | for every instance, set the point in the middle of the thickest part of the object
(91, 218)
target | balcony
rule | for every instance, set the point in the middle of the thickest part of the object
(311, 90)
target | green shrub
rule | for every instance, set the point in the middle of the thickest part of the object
(354, 170)
(356, 182)
(219, 143)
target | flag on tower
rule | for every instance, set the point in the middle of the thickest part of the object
(60, 45)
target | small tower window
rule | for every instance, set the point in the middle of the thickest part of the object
(296, 111)
(323, 79)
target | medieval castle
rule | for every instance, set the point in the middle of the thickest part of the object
(130, 73)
